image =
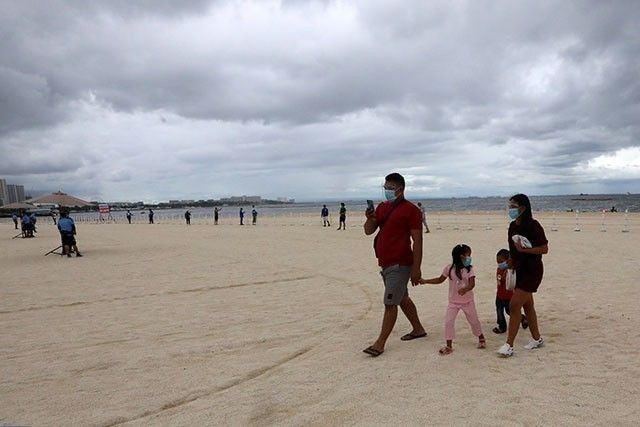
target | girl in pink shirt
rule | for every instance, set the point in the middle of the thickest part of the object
(462, 280)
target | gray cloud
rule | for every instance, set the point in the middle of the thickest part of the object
(155, 99)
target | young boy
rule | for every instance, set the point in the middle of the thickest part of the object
(503, 295)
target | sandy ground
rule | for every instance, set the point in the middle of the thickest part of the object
(172, 325)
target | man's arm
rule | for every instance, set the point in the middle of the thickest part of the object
(371, 224)
(416, 272)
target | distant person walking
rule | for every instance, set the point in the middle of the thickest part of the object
(424, 217)
(53, 217)
(254, 215)
(324, 214)
(526, 259)
(398, 222)
(129, 216)
(343, 217)
(14, 217)
(216, 213)
(150, 216)
(187, 217)
(241, 216)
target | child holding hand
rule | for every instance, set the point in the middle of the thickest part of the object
(461, 283)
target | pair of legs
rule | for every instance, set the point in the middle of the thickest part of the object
(68, 243)
(342, 225)
(426, 227)
(389, 320)
(502, 307)
(470, 312)
(522, 299)
(325, 221)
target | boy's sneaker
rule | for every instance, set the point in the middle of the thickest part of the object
(506, 350)
(534, 344)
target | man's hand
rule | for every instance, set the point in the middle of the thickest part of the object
(416, 275)
(370, 213)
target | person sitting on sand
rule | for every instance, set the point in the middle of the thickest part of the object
(462, 280)
(399, 223)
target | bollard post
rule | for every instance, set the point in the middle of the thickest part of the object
(625, 228)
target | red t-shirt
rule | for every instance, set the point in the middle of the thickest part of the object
(393, 245)
(503, 293)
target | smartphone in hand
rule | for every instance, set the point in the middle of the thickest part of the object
(370, 206)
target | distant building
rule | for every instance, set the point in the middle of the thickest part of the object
(242, 199)
(4, 196)
(15, 193)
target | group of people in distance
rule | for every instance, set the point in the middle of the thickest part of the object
(324, 215)
(27, 223)
(398, 248)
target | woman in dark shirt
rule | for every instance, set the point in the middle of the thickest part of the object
(527, 263)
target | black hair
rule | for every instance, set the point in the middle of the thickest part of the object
(522, 200)
(456, 262)
(396, 178)
(503, 253)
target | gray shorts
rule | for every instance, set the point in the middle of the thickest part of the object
(395, 279)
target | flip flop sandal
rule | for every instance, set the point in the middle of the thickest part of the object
(372, 352)
(445, 350)
(410, 336)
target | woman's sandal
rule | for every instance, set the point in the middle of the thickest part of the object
(445, 350)
(482, 344)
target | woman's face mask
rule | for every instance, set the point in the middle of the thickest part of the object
(514, 213)
(503, 265)
(466, 261)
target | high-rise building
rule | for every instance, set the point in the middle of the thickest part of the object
(15, 193)
(20, 191)
(4, 197)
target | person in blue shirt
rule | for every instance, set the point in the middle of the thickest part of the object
(67, 229)
(241, 216)
(27, 227)
(324, 214)
(150, 216)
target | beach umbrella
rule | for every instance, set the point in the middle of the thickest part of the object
(61, 199)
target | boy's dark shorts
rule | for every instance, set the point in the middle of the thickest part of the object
(68, 239)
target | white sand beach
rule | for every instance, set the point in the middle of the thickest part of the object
(172, 325)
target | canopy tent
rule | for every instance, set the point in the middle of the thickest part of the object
(18, 206)
(61, 199)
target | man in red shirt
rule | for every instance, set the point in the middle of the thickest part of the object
(400, 222)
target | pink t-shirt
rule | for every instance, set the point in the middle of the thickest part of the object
(455, 284)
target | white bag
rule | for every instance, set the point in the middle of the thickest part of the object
(523, 240)
(511, 279)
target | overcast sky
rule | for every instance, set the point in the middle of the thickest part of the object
(155, 100)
